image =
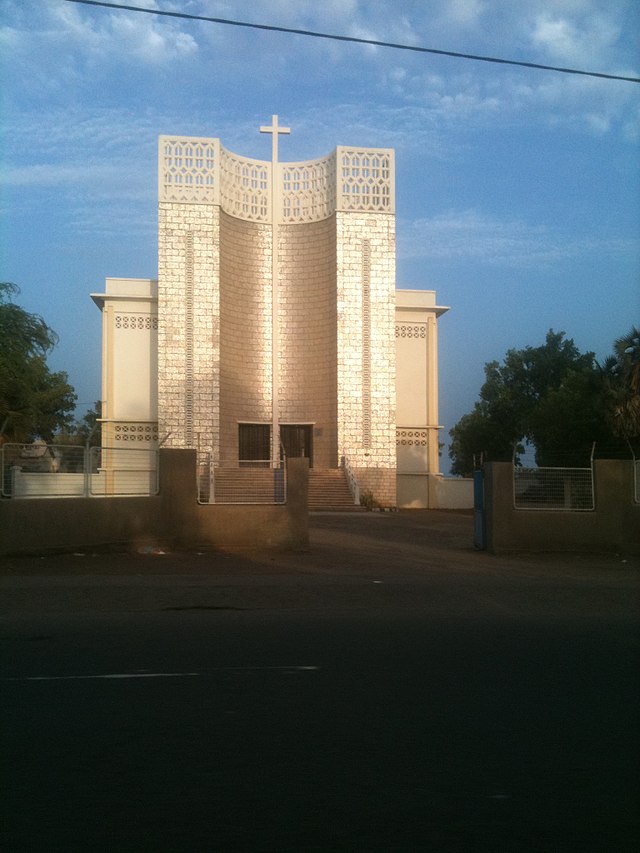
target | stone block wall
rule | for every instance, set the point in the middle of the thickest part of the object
(380, 482)
(308, 369)
(188, 324)
(245, 328)
(366, 343)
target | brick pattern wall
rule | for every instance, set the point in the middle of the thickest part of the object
(245, 327)
(308, 369)
(188, 324)
(366, 388)
(381, 482)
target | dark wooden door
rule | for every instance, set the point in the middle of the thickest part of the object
(297, 440)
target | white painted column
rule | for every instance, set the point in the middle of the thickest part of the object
(433, 460)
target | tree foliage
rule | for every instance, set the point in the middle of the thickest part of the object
(86, 429)
(34, 401)
(88, 426)
(622, 375)
(553, 397)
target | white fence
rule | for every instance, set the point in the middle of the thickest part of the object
(244, 482)
(42, 470)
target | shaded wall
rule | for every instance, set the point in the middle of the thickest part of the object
(308, 334)
(614, 525)
(245, 328)
(433, 491)
(172, 518)
(307, 317)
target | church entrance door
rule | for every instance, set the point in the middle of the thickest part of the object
(297, 440)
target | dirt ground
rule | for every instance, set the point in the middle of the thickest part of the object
(405, 542)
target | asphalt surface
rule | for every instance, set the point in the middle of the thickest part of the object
(389, 689)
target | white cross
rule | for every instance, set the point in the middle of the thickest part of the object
(276, 213)
(275, 131)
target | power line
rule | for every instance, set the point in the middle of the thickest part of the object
(355, 40)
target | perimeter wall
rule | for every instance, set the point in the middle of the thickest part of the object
(171, 519)
(613, 526)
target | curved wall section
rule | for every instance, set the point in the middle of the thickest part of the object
(308, 368)
(202, 171)
(245, 328)
(245, 186)
(308, 190)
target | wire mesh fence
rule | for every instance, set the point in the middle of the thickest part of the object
(569, 489)
(42, 470)
(241, 482)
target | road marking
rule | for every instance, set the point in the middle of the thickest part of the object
(110, 675)
(114, 676)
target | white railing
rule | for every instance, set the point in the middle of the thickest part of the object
(351, 480)
(248, 481)
(42, 470)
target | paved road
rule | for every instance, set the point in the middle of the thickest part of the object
(390, 689)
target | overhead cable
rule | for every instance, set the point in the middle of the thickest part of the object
(353, 39)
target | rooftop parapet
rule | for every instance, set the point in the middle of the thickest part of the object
(194, 170)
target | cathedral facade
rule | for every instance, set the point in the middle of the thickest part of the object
(275, 326)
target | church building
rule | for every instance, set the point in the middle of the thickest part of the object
(275, 326)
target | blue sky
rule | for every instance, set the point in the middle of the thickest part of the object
(518, 191)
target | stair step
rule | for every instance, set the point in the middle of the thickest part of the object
(329, 491)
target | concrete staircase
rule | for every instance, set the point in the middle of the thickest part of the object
(246, 486)
(329, 491)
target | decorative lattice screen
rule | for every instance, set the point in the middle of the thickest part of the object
(200, 171)
(188, 169)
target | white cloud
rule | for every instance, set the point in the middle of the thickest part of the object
(584, 40)
(465, 14)
(56, 174)
(141, 36)
(513, 97)
(588, 34)
(66, 36)
(468, 235)
(71, 49)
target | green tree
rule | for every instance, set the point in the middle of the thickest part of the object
(568, 419)
(551, 396)
(34, 401)
(622, 376)
(88, 427)
(85, 429)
